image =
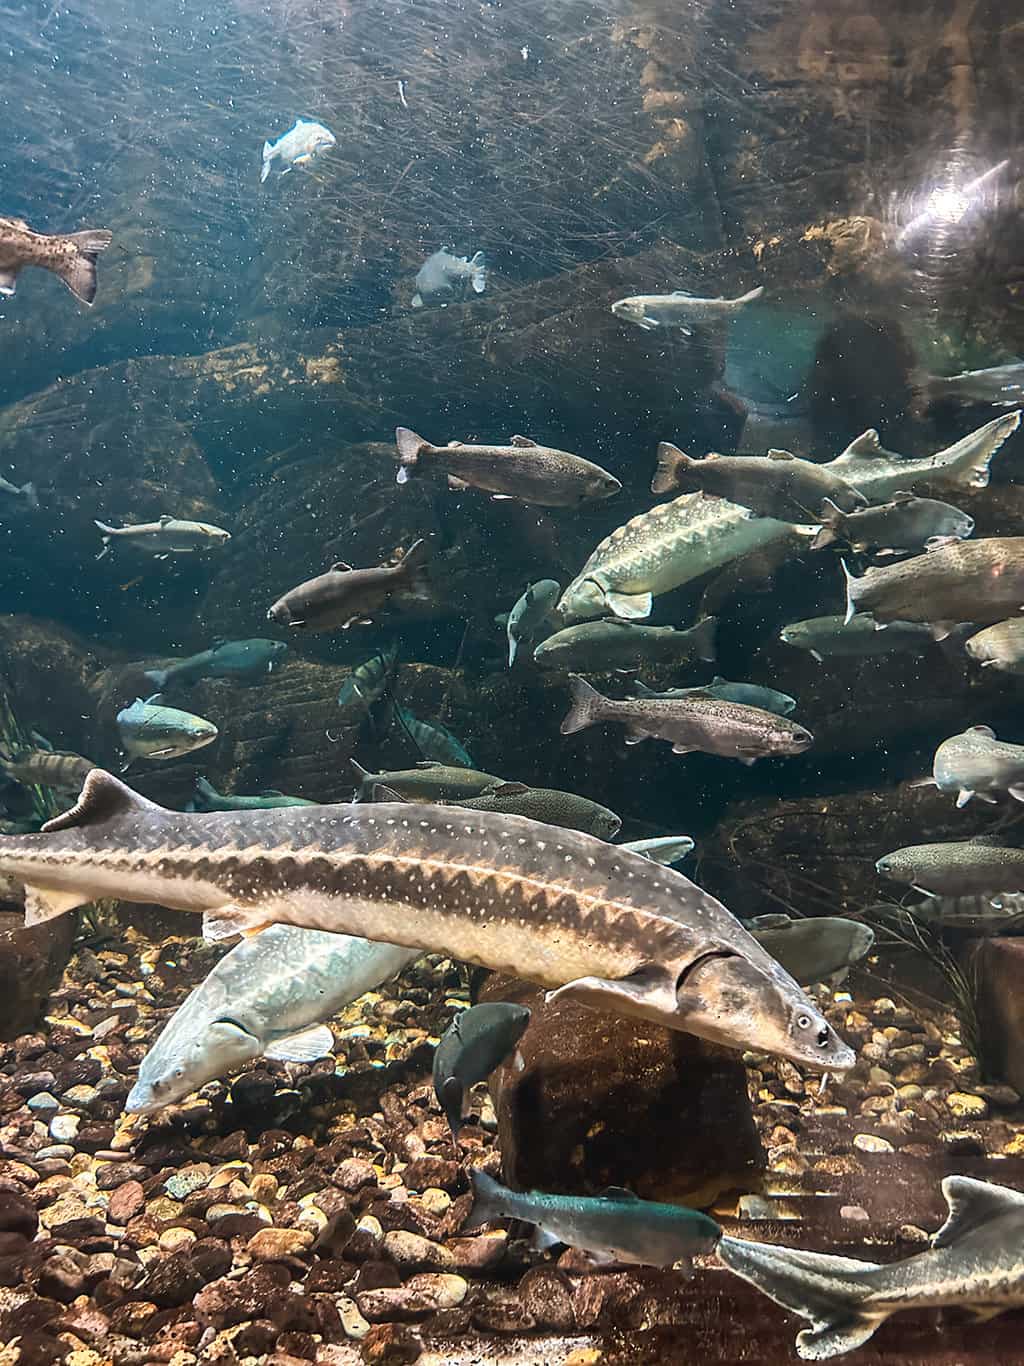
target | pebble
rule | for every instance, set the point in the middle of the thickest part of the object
(64, 1128)
(63, 1151)
(126, 1202)
(271, 1244)
(871, 1143)
(43, 1105)
(186, 1182)
(353, 1174)
(175, 1239)
(420, 1295)
(410, 1249)
(352, 1321)
(854, 1213)
(964, 1105)
(910, 1233)
(81, 1097)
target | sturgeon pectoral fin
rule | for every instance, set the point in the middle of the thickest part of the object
(306, 1046)
(651, 986)
(224, 922)
(963, 797)
(818, 1344)
(46, 903)
(629, 605)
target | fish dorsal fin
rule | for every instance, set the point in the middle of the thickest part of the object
(903, 496)
(522, 441)
(682, 294)
(971, 1204)
(772, 920)
(781, 455)
(340, 567)
(865, 444)
(505, 790)
(103, 798)
(383, 793)
(429, 763)
(151, 701)
(166, 520)
(983, 730)
(619, 1193)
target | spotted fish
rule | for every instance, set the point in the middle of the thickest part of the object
(608, 929)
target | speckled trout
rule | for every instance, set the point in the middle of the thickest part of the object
(677, 542)
(604, 927)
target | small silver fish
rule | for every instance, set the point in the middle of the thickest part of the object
(976, 764)
(530, 614)
(150, 731)
(305, 140)
(168, 536)
(445, 276)
(679, 309)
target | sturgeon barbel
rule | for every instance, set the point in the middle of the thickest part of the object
(674, 543)
(566, 910)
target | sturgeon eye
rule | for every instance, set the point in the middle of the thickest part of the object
(803, 1022)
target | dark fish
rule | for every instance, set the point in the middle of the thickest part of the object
(43, 767)
(974, 1262)
(345, 597)
(854, 636)
(958, 868)
(207, 798)
(594, 646)
(533, 474)
(596, 924)
(568, 810)
(476, 1042)
(71, 257)
(435, 742)
(814, 949)
(749, 694)
(906, 524)
(616, 1226)
(980, 581)
(688, 724)
(367, 684)
(224, 659)
(427, 782)
(774, 485)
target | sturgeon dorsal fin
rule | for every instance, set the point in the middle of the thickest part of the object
(971, 1204)
(523, 441)
(618, 1193)
(102, 798)
(775, 454)
(867, 443)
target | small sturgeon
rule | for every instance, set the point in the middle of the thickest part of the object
(606, 928)
(674, 543)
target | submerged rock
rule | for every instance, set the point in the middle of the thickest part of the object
(602, 1100)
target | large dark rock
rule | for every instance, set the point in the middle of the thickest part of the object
(31, 964)
(602, 1100)
(996, 967)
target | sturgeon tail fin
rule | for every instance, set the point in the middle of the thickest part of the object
(851, 593)
(587, 706)
(79, 271)
(671, 464)
(968, 459)
(829, 1291)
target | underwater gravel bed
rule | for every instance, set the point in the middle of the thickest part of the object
(313, 1212)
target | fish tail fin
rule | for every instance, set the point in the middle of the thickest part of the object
(833, 520)
(158, 678)
(268, 156)
(417, 300)
(107, 530)
(31, 494)
(79, 271)
(413, 565)
(513, 649)
(703, 636)
(671, 463)
(829, 1291)
(410, 447)
(851, 593)
(478, 269)
(488, 1201)
(587, 706)
(750, 295)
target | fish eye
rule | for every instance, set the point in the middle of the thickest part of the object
(803, 1022)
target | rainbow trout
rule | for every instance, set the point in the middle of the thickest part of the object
(606, 928)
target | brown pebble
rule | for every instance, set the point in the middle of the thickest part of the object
(353, 1174)
(390, 1344)
(126, 1202)
(274, 1244)
(546, 1294)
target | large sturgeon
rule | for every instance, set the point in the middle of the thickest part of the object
(602, 926)
(674, 543)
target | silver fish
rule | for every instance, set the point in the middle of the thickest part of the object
(855, 636)
(816, 949)
(666, 849)
(444, 276)
(207, 798)
(999, 647)
(976, 764)
(598, 646)
(1002, 386)
(266, 998)
(616, 1226)
(305, 140)
(367, 684)
(599, 926)
(151, 731)
(25, 493)
(689, 724)
(974, 1262)
(168, 536)
(679, 309)
(957, 868)
(530, 615)
(677, 542)
(907, 524)
(749, 694)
